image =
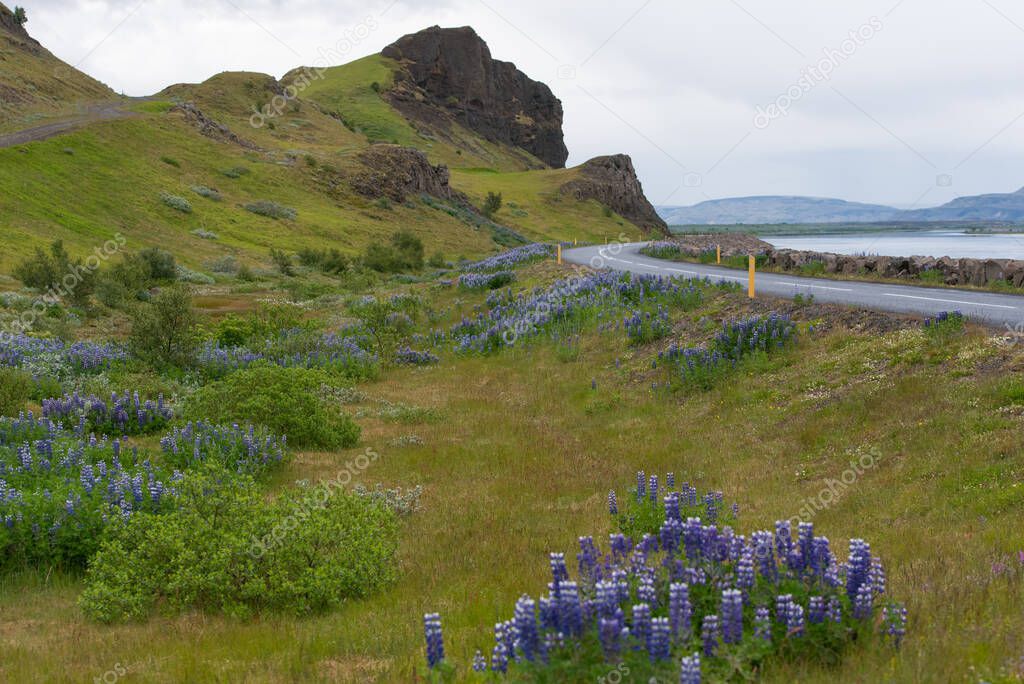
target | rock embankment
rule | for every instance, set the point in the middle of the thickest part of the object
(946, 270)
(396, 172)
(613, 182)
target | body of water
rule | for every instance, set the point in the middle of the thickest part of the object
(934, 243)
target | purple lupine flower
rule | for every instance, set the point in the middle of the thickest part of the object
(783, 539)
(435, 639)
(658, 643)
(732, 616)
(672, 507)
(763, 552)
(693, 533)
(654, 489)
(863, 604)
(876, 576)
(894, 617)
(735, 510)
(680, 610)
(795, 619)
(782, 603)
(816, 610)
(689, 671)
(834, 612)
(610, 633)
(670, 481)
(710, 634)
(613, 504)
(858, 567)
(641, 486)
(524, 622)
(711, 502)
(762, 623)
(570, 610)
(646, 593)
(745, 570)
(559, 573)
(641, 629)
(587, 560)
(479, 662)
(499, 656)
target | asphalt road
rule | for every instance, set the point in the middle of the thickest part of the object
(91, 113)
(999, 310)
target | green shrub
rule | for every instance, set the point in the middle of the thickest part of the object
(56, 271)
(285, 400)
(492, 204)
(208, 193)
(271, 210)
(177, 203)
(438, 260)
(204, 234)
(329, 261)
(165, 333)
(160, 263)
(225, 548)
(283, 262)
(15, 390)
(20, 16)
(812, 268)
(170, 161)
(236, 172)
(405, 253)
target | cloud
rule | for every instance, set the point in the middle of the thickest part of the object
(677, 85)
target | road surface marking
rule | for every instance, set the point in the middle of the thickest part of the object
(950, 301)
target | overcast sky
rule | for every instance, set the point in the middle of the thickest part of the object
(908, 103)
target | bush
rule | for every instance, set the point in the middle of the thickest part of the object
(236, 172)
(329, 261)
(160, 263)
(492, 204)
(283, 262)
(285, 400)
(56, 272)
(240, 450)
(15, 390)
(271, 210)
(177, 203)
(405, 253)
(225, 548)
(20, 16)
(165, 333)
(438, 260)
(208, 193)
(203, 234)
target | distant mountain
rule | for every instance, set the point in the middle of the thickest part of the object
(1002, 207)
(776, 209)
(994, 207)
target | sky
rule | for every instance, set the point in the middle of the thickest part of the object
(902, 102)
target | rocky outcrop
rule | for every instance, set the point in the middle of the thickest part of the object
(448, 75)
(211, 128)
(396, 172)
(613, 182)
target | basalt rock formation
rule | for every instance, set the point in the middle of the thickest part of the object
(448, 76)
(613, 182)
(396, 172)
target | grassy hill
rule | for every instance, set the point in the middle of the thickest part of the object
(35, 85)
(300, 152)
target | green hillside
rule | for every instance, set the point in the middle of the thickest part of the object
(35, 85)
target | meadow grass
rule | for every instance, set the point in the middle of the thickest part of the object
(518, 452)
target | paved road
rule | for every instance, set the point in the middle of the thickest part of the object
(999, 310)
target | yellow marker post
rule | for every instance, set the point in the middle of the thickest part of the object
(559, 253)
(718, 254)
(751, 288)
(574, 242)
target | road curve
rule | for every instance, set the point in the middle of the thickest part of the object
(1000, 310)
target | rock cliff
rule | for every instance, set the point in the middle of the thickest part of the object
(613, 182)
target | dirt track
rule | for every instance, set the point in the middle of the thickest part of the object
(102, 111)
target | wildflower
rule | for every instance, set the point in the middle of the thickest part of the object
(762, 624)
(613, 504)
(894, 617)
(689, 672)
(680, 610)
(710, 634)
(732, 616)
(479, 662)
(435, 640)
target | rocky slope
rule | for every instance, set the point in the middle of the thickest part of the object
(613, 182)
(448, 75)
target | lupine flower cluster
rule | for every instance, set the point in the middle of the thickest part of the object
(700, 367)
(410, 357)
(59, 492)
(486, 281)
(662, 250)
(56, 358)
(692, 602)
(643, 327)
(944, 317)
(123, 415)
(242, 450)
(644, 512)
(341, 352)
(567, 302)
(512, 258)
(946, 323)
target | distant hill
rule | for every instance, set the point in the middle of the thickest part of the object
(33, 82)
(769, 209)
(776, 209)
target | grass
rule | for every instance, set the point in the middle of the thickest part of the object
(526, 427)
